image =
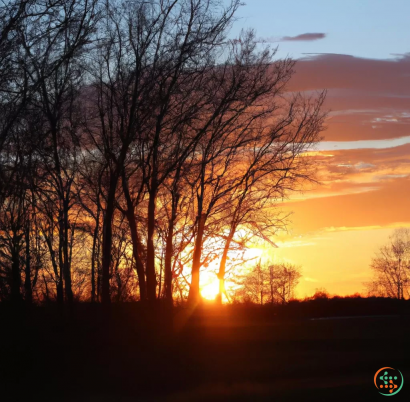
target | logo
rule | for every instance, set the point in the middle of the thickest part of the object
(388, 381)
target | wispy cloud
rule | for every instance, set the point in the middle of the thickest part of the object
(304, 37)
(295, 243)
(307, 279)
(394, 225)
(362, 144)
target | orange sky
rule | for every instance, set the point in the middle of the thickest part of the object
(364, 166)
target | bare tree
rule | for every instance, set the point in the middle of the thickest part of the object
(271, 167)
(12, 223)
(89, 191)
(258, 141)
(270, 283)
(14, 85)
(37, 39)
(391, 267)
(18, 215)
(148, 82)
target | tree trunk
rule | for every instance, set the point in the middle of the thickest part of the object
(58, 275)
(271, 283)
(107, 241)
(99, 274)
(60, 283)
(168, 261)
(136, 244)
(27, 281)
(169, 251)
(161, 268)
(151, 276)
(222, 267)
(66, 265)
(194, 296)
(15, 274)
(93, 256)
(60, 288)
(47, 292)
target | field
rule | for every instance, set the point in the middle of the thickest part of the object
(234, 353)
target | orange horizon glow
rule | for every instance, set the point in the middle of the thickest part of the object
(364, 168)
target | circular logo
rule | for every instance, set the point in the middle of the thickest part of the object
(388, 381)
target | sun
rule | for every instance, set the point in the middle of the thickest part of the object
(210, 290)
(209, 282)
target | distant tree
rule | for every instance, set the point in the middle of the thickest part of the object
(270, 283)
(391, 267)
(283, 279)
(320, 293)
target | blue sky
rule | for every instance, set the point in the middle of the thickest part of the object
(365, 28)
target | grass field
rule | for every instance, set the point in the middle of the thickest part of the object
(228, 354)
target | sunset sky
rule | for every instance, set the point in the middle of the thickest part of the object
(360, 52)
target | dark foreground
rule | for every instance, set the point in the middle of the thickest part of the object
(229, 354)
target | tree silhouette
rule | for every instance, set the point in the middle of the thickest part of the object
(391, 267)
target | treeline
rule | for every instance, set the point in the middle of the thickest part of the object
(348, 306)
(268, 282)
(139, 146)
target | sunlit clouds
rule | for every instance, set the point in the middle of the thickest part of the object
(363, 167)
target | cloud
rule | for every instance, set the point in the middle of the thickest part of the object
(363, 144)
(304, 37)
(364, 165)
(307, 279)
(360, 188)
(368, 98)
(396, 225)
(353, 171)
(295, 243)
(388, 78)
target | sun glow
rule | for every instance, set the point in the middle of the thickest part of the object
(209, 281)
(210, 290)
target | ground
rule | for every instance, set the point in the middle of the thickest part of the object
(211, 354)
